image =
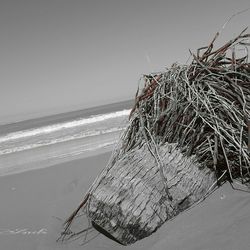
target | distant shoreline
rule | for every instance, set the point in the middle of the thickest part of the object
(62, 117)
(43, 142)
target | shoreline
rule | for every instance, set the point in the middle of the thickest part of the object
(51, 140)
(28, 123)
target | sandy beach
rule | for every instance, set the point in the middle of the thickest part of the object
(76, 75)
(35, 203)
(30, 201)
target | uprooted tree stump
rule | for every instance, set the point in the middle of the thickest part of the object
(188, 132)
(131, 200)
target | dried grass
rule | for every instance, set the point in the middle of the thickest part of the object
(204, 107)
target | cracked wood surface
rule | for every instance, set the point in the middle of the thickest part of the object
(130, 201)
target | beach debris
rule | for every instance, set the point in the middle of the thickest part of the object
(187, 134)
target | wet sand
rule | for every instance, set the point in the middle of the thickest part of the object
(35, 203)
(29, 200)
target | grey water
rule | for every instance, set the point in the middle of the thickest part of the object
(46, 141)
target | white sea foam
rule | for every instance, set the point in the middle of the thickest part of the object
(46, 145)
(46, 142)
(61, 126)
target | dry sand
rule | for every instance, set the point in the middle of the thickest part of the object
(32, 204)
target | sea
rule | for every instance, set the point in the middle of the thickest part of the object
(46, 141)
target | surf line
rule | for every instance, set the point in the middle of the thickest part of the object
(23, 231)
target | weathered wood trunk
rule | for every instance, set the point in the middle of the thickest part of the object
(131, 199)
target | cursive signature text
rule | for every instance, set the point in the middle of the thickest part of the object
(23, 231)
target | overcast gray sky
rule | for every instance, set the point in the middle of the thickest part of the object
(61, 55)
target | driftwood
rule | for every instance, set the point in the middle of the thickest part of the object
(131, 200)
(188, 130)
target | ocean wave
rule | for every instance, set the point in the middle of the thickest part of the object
(47, 142)
(43, 146)
(62, 126)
